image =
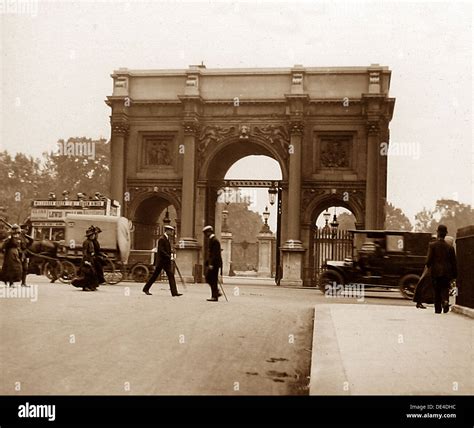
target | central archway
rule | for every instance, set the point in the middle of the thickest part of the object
(221, 158)
(229, 151)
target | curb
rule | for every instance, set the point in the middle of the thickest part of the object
(327, 374)
(463, 310)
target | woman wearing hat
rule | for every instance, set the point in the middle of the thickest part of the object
(12, 269)
(88, 276)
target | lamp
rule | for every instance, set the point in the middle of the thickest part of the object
(334, 223)
(167, 220)
(272, 192)
(227, 195)
(326, 216)
(225, 215)
(266, 216)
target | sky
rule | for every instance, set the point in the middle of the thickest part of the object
(56, 59)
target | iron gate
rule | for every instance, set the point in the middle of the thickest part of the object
(326, 245)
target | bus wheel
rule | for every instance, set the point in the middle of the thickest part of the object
(68, 272)
(112, 276)
(140, 273)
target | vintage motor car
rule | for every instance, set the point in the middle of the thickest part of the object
(380, 258)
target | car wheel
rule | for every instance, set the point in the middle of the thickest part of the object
(329, 279)
(408, 284)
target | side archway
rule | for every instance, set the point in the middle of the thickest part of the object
(147, 213)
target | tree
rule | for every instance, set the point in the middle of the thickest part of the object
(346, 221)
(25, 178)
(453, 214)
(424, 220)
(21, 179)
(395, 219)
(86, 172)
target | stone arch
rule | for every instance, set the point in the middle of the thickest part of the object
(321, 203)
(145, 211)
(218, 159)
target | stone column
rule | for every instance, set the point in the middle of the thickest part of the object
(226, 242)
(118, 154)
(292, 249)
(188, 248)
(265, 243)
(371, 193)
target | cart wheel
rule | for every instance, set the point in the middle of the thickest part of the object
(68, 272)
(408, 284)
(140, 273)
(111, 275)
(328, 279)
(52, 270)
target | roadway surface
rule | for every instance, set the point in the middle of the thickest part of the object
(118, 341)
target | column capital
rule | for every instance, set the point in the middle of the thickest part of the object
(119, 128)
(372, 127)
(296, 127)
(190, 127)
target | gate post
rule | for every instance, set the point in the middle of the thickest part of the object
(265, 244)
(226, 238)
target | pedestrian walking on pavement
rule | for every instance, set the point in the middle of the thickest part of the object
(88, 279)
(213, 263)
(12, 269)
(441, 260)
(26, 241)
(163, 261)
(99, 257)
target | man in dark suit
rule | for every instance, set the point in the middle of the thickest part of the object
(213, 263)
(441, 260)
(163, 261)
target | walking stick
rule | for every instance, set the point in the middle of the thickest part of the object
(180, 276)
(221, 283)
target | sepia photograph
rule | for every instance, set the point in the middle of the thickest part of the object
(220, 208)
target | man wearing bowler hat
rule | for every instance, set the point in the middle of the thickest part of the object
(441, 260)
(163, 262)
(213, 263)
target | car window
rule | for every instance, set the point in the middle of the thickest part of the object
(395, 243)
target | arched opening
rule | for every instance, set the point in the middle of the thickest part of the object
(242, 213)
(329, 237)
(151, 214)
(337, 217)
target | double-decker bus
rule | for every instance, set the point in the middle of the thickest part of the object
(48, 216)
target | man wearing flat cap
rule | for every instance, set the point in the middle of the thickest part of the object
(441, 260)
(213, 263)
(163, 261)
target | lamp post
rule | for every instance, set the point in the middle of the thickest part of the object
(274, 195)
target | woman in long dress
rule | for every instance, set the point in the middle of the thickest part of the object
(88, 279)
(12, 268)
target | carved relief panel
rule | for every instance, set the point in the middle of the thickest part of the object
(333, 152)
(157, 151)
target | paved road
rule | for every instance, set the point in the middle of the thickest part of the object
(119, 341)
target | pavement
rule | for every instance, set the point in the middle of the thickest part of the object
(390, 350)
